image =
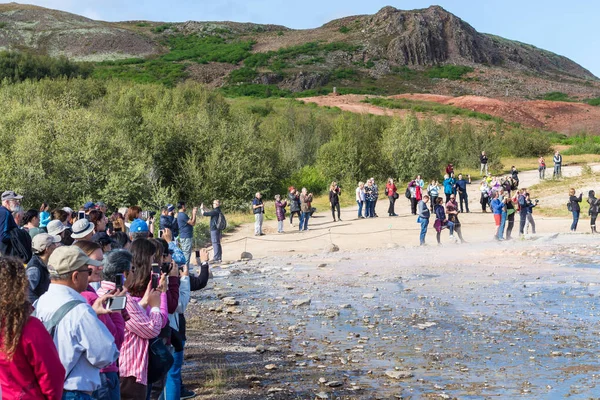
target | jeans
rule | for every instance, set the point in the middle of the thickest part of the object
(368, 208)
(424, 223)
(557, 171)
(304, 221)
(215, 238)
(484, 166)
(360, 207)
(530, 221)
(463, 197)
(575, 220)
(292, 216)
(280, 226)
(186, 247)
(172, 389)
(502, 225)
(110, 388)
(522, 221)
(542, 171)
(76, 396)
(258, 221)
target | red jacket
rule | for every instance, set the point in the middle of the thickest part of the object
(35, 371)
(390, 189)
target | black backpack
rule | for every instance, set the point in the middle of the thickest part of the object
(19, 245)
(407, 193)
(221, 222)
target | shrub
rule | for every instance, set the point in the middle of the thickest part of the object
(452, 72)
(519, 143)
(161, 28)
(242, 75)
(207, 49)
(17, 67)
(344, 29)
(556, 96)
(309, 177)
(142, 24)
(594, 102)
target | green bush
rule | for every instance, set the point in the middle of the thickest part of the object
(556, 96)
(308, 177)
(519, 143)
(207, 49)
(17, 67)
(254, 90)
(594, 102)
(162, 28)
(344, 29)
(142, 24)
(343, 73)
(583, 144)
(242, 75)
(452, 72)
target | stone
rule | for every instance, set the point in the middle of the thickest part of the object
(331, 313)
(368, 296)
(271, 367)
(334, 384)
(230, 301)
(322, 380)
(345, 306)
(246, 256)
(301, 302)
(321, 265)
(331, 248)
(260, 348)
(398, 374)
(322, 395)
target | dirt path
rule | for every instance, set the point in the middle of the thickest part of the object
(403, 231)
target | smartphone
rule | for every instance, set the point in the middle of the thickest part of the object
(155, 275)
(197, 253)
(119, 280)
(81, 215)
(165, 268)
(116, 303)
(160, 233)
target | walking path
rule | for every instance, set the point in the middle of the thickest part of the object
(403, 231)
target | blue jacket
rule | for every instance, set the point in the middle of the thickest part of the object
(497, 206)
(449, 186)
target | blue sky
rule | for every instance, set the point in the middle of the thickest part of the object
(566, 28)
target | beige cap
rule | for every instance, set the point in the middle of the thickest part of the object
(67, 259)
(42, 241)
(82, 228)
(55, 227)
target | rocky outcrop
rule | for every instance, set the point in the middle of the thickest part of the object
(434, 36)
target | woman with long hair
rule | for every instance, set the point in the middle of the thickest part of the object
(574, 207)
(334, 200)
(147, 309)
(30, 367)
(594, 208)
(391, 193)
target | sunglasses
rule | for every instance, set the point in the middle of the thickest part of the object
(88, 270)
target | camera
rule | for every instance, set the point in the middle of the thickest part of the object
(536, 201)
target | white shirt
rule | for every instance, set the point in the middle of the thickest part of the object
(360, 194)
(84, 343)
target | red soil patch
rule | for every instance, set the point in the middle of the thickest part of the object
(563, 117)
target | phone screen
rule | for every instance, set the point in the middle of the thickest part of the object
(197, 253)
(81, 215)
(155, 275)
(160, 233)
(116, 303)
(119, 279)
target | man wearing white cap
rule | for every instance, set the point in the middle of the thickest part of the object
(10, 202)
(82, 230)
(43, 246)
(84, 343)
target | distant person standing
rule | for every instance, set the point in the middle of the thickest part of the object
(391, 193)
(450, 170)
(461, 188)
(215, 229)
(523, 208)
(557, 164)
(574, 207)
(258, 208)
(334, 200)
(375, 194)
(483, 159)
(433, 191)
(530, 206)
(594, 208)
(305, 205)
(449, 188)
(186, 230)
(423, 219)
(369, 199)
(360, 199)
(294, 198)
(280, 211)
(542, 167)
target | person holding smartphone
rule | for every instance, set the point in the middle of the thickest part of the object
(215, 232)
(258, 208)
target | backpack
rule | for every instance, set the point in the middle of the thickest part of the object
(407, 193)
(221, 222)
(19, 245)
(570, 206)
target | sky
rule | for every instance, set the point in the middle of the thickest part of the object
(565, 28)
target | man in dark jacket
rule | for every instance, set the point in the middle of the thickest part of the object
(43, 246)
(461, 188)
(483, 159)
(215, 232)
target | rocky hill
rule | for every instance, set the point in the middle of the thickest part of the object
(390, 52)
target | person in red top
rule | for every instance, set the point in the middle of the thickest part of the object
(390, 191)
(450, 170)
(30, 368)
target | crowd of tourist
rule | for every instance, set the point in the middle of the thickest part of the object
(93, 307)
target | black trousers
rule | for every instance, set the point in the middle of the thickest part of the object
(522, 220)
(392, 203)
(463, 197)
(413, 205)
(335, 206)
(511, 224)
